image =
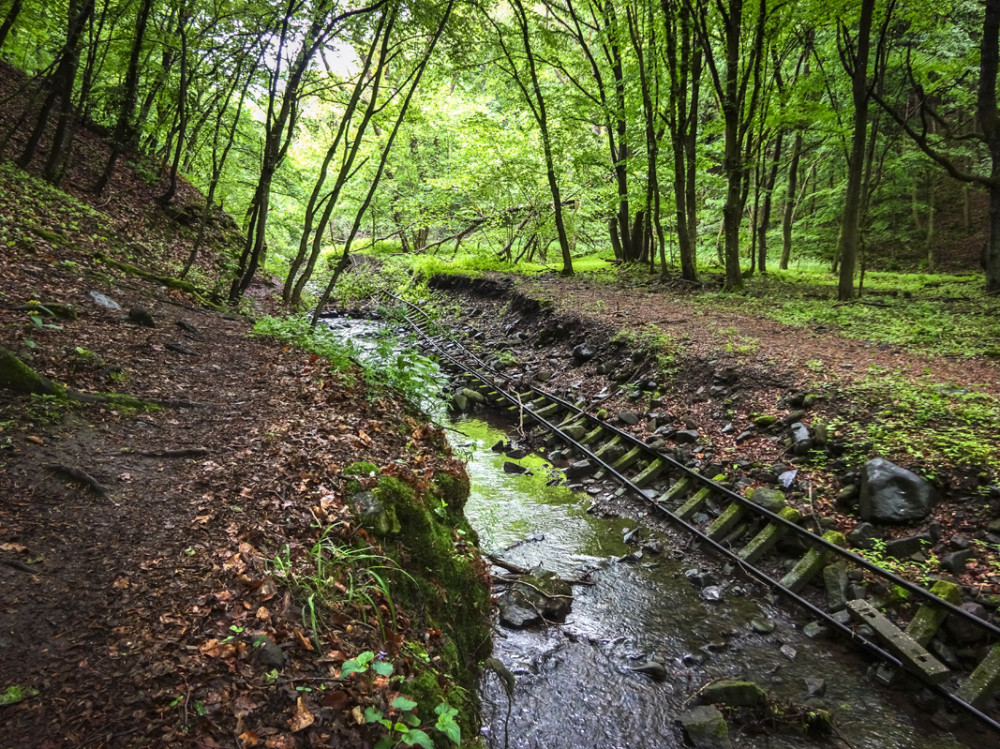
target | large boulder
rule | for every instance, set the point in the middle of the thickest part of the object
(890, 494)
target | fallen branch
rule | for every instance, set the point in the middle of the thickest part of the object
(82, 477)
(20, 566)
(518, 570)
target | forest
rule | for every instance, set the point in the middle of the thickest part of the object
(691, 136)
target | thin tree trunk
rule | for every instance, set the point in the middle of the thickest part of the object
(851, 221)
(9, 20)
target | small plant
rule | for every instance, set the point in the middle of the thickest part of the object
(404, 727)
(336, 574)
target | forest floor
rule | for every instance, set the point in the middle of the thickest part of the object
(149, 556)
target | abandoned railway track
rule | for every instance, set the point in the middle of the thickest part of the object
(754, 532)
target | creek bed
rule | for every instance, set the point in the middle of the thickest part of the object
(575, 687)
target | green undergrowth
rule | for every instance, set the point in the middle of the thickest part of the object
(439, 580)
(932, 313)
(932, 423)
(477, 263)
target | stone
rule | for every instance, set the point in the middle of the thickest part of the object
(460, 402)
(733, 693)
(515, 468)
(901, 548)
(954, 562)
(763, 422)
(268, 653)
(847, 496)
(864, 535)
(579, 469)
(728, 428)
(815, 686)
(473, 396)
(701, 578)
(543, 375)
(582, 353)
(142, 316)
(835, 582)
(373, 515)
(762, 626)
(105, 301)
(653, 669)
(537, 596)
(686, 436)
(743, 437)
(891, 494)
(789, 652)
(575, 432)
(770, 499)
(706, 728)
(801, 441)
(628, 417)
(815, 630)
(963, 631)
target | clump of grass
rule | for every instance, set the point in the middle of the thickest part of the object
(334, 575)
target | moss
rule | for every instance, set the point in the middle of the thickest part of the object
(17, 376)
(445, 586)
(453, 490)
(361, 468)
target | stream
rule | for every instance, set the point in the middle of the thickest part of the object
(576, 687)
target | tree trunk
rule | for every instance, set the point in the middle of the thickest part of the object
(850, 225)
(123, 136)
(765, 218)
(9, 20)
(788, 216)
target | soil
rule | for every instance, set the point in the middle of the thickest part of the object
(538, 322)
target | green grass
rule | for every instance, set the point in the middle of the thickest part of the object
(930, 422)
(935, 314)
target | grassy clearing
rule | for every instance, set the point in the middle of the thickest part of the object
(931, 313)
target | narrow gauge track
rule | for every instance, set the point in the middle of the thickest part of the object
(748, 534)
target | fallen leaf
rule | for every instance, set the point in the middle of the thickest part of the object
(36, 440)
(302, 718)
(11, 546)
(243, 706)
(121, 583)
(303, 640)
(335, 700)
(359, 717)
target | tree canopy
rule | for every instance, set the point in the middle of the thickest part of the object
(683, 134)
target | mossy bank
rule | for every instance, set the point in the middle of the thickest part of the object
(441, 580)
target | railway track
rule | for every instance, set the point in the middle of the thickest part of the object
(753, 533)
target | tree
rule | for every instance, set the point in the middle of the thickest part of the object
(737, 81)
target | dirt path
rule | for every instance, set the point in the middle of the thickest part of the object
(130, 606)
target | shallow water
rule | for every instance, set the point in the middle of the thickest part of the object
(574, 685)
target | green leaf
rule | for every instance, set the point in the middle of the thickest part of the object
(372, 715)
(411, 720)
(419, 738)
(384, 743)
(382, 668)
(403, 703)
(446, 722)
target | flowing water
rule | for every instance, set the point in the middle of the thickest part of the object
(575, 684)
(575, 687)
